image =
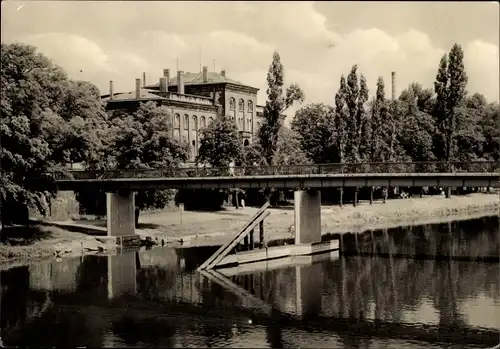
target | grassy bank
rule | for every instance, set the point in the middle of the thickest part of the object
(208, 228)
(197, 227)
(28, 244)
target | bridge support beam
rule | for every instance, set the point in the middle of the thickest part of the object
(307, 216)
(120, 214)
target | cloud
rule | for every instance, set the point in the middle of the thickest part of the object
(482, 65)
(72, 52)
(123, 39)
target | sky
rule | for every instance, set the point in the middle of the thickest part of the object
(100, 41)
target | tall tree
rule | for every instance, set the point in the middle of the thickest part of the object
(356, 96)
(278, 101)
(362, 122)
(392, 131)
(315, 126)
(37, 130)
(220, 143)
(491, 131)
(416, 128)
(253, 155)
(289, 150)
(424, 97)
(341, 120)
(450, 84)
(143, 140)
(378, 118)
(351, 96)
(83, 110)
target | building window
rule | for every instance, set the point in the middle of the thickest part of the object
(203, 122)
(210, 120)
(242, 105)
(186, 122)
(177, 121)
(195, 122)
(232, 103)
(250, 106)
(249, 124)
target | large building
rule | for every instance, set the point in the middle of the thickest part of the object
(193, 100)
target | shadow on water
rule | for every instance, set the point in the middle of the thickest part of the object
(367, 298)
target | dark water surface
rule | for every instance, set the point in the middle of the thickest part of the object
(447, 297)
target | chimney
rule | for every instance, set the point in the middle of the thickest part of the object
(223, 72)
(393, 76)
(144, 79)
(180, 82)
(110, 89)
(163, 84)
(205, 74)
(137, 88)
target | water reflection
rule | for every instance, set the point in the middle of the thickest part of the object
(155, 299)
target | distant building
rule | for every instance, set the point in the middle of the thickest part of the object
(193, 99)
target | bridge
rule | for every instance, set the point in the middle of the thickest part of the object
(304, 179)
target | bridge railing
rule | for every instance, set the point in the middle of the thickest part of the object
(351, 168)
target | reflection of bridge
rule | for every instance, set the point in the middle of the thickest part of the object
(121, 184)
(355, 297)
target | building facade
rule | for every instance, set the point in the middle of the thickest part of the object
(194, 100)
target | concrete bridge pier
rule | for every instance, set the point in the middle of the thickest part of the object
(120, 213)
(307, 205)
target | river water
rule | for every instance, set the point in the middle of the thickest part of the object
(434, 286)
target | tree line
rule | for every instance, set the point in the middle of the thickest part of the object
(49, 121)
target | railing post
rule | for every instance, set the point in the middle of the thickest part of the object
(251, 239)
(245, 243)
(261, 233)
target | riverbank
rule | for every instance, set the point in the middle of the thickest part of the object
(213, 228)
(34, 243)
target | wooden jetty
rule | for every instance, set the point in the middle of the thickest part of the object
(243, 248)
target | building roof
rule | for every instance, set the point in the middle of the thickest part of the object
(197, 79)
(126, 96)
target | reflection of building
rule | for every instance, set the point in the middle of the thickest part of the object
(193, 99)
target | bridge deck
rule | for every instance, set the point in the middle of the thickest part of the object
(463, 179)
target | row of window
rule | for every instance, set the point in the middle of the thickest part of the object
(203, 122)
(241, 104)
